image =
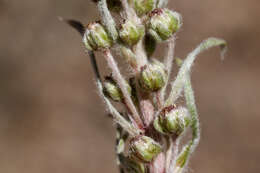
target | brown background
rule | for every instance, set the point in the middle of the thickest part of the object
(52, 120)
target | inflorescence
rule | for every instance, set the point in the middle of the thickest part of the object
(151, 125)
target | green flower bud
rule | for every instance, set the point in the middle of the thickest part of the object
(131, 33)
(163, 23)
(153, 76)
(96, 37)
(112, 90)
(172, 120)
(142, 6)
(144, 148)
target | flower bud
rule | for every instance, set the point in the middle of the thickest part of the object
(130, 33)
(142, 6)
(172, 120)
(96, 37)
(144, 148)
(163, 23)
(112, 90)
(153, 76)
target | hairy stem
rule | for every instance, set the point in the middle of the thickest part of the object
(168, 61)
(122, 85)
(140, 54)
(116, 115)
(107, 19)
(130, 13)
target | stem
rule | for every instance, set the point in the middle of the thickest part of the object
(122, 85)
(130, 13)
(168, 61)
(169, 154)
(147, 110)
(107, 19)
(140, 54)
(116, 115)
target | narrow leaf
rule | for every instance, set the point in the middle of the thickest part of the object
(177, 85)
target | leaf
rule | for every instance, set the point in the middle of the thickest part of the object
(177, 85)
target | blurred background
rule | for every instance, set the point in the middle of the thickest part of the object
(52, 119)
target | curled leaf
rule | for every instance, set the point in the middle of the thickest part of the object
(177, 85)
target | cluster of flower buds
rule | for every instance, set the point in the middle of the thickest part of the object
(172, 120)
(146, 122)
(160, 24)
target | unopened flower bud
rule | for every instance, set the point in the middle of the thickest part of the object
(144, 148)
(172, 120)
(153, 76)
(112, 90)
(142, 6)
(96, 37)
(130, 33)
(163, 23)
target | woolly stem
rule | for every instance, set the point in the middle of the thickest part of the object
(168, 61)
(172, 153)
(116, 115)
(129, 56)
(177, 85)
(122, 85)
(169, 153)
(107, 19)
(140, 54)
(130, 13)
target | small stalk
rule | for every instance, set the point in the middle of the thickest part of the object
(121, 82)
(168, 61)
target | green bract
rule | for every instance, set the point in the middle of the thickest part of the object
(163, 23)
(142, 6)
(172, 120)
(153, 76)
(144, 148)
(96, 37)
(130, 33)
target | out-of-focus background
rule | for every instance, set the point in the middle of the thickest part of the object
(52, 119)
